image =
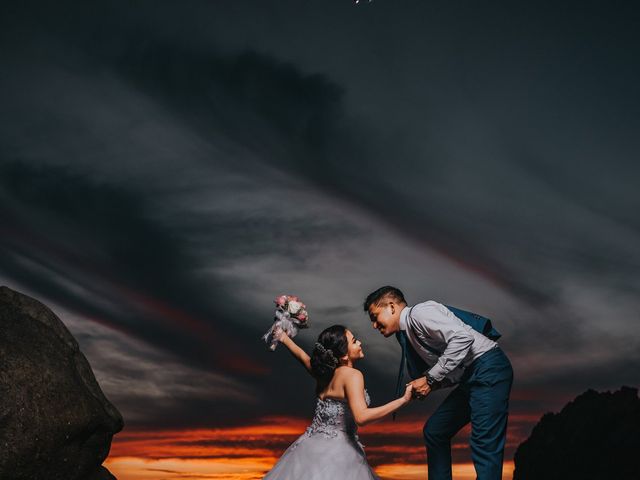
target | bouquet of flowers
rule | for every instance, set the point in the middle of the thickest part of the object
(290, 316)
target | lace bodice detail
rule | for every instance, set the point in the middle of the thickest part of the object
(329, 449)
(333, 416)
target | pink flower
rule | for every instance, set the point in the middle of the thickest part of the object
(281, 300)
(293, 298)
(302, 316)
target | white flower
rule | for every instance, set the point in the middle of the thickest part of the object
(294, 307)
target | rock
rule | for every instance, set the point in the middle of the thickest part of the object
(55, 422)
(100, 474)
(596, 436)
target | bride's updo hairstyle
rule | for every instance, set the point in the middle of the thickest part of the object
(325, 357)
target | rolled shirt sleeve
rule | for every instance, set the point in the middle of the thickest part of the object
(439, 324)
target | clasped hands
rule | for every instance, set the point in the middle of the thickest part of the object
(420, 388)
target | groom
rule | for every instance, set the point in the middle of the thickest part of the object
(442, 350)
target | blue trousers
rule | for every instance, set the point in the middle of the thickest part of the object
(482, 398)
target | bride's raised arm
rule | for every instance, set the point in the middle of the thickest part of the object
(362, 414)
(296, 351)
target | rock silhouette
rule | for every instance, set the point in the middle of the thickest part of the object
(55, 422)
(596, 436)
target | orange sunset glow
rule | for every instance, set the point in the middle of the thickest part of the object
(394, 449)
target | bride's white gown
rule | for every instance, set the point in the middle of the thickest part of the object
(328, 450)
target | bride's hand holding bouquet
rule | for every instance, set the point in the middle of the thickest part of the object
(290, 316)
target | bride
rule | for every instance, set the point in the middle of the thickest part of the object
(329, 448)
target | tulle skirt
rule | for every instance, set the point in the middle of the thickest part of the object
(323, 457)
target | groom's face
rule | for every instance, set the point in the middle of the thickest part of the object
(385, 318)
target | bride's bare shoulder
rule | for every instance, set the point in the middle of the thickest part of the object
(348, 373)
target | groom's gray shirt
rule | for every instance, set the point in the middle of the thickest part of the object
(431, 323)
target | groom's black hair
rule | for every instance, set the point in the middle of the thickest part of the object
(387, 291)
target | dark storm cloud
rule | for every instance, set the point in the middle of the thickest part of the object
(263, 103)
(123, 251)
(245, 96)
(259, 235)
(248, 99)
(94, 249)
(497, 161)
(98, 235)
(296, 121)
(500, 187)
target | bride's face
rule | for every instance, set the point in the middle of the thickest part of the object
(354, 347)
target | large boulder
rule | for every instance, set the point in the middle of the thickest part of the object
(55, 422)
(596, 436)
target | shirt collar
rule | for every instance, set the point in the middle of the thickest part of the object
(403, 318)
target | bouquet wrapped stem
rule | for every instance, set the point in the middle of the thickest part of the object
(290, 316)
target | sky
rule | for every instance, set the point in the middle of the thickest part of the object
(168, 168)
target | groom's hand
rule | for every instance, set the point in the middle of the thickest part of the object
(420, 387)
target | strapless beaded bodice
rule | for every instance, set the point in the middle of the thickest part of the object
(329, 449)
(332, 416)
